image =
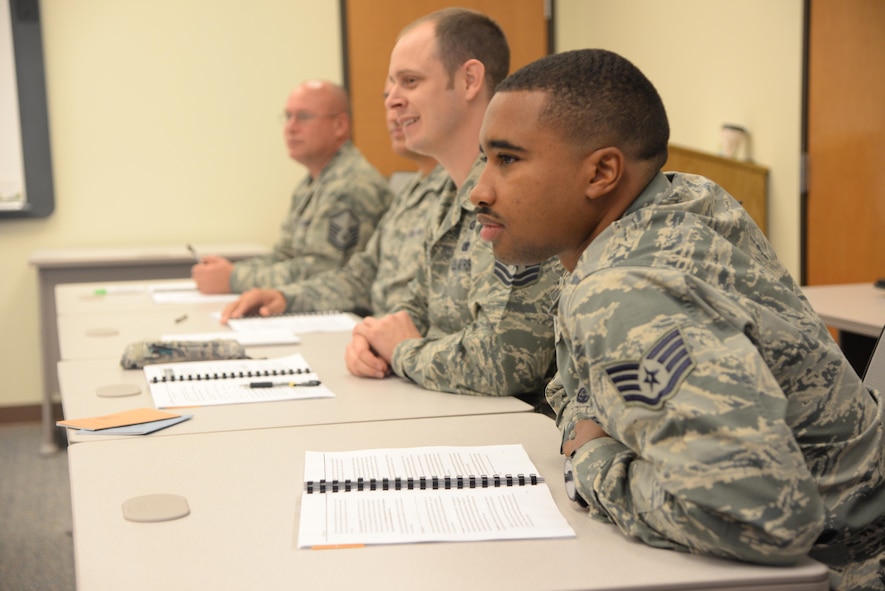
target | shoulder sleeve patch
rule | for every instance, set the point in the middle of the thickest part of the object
(653, 379)
(517, 275)
(344, 230)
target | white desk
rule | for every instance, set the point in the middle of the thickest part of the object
(105, 336)
(75, 265)
(857, 308)
(243, 489)
(857, 311)
(104, 297)
(356, 399)
(94, 331)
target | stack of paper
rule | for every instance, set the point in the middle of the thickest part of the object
(247, 338)
(296, 323)
(185, 292)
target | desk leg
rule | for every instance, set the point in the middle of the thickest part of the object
(50, 277)
(48, 446)
(50, 357)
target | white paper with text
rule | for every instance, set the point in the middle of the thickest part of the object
(404, 513)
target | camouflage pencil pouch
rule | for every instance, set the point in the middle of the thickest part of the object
(142, 353)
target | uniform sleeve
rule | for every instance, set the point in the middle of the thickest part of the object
(557, 397)
(340, 223)
(700, 456)
(415, 300)
(506, 350)
(345, 289)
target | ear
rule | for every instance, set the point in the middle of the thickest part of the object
(604, 169)
(342, 125)
(474, 72)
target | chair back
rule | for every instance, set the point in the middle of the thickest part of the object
(874, 374)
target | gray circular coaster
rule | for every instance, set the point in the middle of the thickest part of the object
(117, 390)
(153, 508)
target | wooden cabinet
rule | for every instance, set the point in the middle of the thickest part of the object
(745, 181)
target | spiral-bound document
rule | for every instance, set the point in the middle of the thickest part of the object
(425, 494)
(233, 381)
(331, 321)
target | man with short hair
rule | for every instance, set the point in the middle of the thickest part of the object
(471, 325)
(703, 404)
(373, 280)
(334, 209)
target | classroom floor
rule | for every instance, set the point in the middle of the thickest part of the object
(36, 545)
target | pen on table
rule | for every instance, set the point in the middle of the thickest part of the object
(181, 319)
(306, 384)
(193, 252)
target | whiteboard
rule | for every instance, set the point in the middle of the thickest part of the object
(12, 172)
(26, 187)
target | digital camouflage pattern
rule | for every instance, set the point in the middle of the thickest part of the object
(137, 355)
(375, 279)
(488, 327)
(331, 217)
(737, 426)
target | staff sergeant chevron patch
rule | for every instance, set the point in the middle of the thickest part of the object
(652, 380)
(517, 275)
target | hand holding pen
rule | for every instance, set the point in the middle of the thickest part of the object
(211, 273)
(193, 252)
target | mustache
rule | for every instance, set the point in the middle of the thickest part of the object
(488, 214)
(486, 211)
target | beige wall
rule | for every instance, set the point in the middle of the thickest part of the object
(164, 129)
(715, 62)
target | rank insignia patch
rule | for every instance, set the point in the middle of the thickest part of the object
(344, 230)
(517, 276)
(653, 379)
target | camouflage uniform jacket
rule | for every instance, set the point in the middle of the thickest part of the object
(737, 427)
(331, 217)
(374, 279)
(487, 327)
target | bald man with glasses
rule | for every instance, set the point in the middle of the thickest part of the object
(334, 209)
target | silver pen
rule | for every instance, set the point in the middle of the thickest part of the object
(307, 384)
(193, 252)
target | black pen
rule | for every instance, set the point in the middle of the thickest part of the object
(193, 252)
(306, 384)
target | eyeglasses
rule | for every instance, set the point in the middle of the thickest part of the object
(302, 117)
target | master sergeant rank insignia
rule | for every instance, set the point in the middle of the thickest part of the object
(344, 230)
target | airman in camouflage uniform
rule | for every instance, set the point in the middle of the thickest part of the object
(736, 425)
(334, 210)
(331, 217)
(374, 279)
(702, 402)
(487, 327)
(471, 325)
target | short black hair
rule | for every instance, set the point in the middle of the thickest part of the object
(597, 98)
